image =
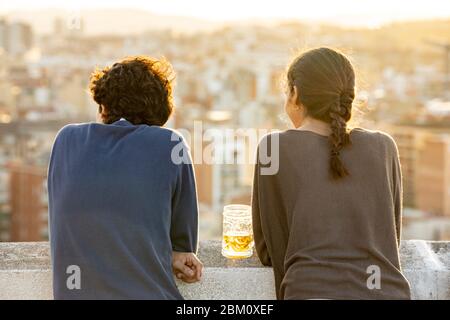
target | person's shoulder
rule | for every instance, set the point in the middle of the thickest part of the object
(284, 139)
(170, 142)
(164, 134)
(368, 133)
(383, 138)
(70, 129)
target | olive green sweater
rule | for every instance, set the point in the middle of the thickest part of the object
(325, 238)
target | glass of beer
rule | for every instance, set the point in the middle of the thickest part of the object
(237, 239)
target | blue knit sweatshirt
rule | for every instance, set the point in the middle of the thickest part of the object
(120, 201)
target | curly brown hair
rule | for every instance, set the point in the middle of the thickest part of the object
(138, 89)
(325, 79)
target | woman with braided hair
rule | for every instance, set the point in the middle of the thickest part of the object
(329, 219)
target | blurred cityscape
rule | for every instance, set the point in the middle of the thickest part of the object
(229, 77)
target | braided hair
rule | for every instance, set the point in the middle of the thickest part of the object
(325, 80)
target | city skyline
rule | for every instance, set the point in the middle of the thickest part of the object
(229, 78)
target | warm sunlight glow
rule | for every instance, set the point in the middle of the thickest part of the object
(349, 12)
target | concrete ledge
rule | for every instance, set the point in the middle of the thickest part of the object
(25, 272)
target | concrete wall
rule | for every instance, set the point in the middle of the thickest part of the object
(25, 273)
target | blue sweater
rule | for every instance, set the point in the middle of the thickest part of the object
(118, 207)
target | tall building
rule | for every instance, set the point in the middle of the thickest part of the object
(204, 180)
(425, 161)
(4, 206)
(433, 175)
(3, 35)
(16, 38)
(27, 200)
(220, 177)
(409, 141)
(72, 95)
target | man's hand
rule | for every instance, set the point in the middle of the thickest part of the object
(186, 266)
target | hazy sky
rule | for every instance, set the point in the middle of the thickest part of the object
(226, 10)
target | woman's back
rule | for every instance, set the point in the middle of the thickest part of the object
(326, 237)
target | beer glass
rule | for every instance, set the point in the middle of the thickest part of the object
(237, 239)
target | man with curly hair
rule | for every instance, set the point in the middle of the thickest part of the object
(123, 215)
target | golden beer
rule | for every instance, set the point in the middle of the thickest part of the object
(237, 239)
(241, 243)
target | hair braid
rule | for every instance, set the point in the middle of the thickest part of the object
(340, 113)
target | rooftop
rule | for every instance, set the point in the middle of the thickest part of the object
(25, 272)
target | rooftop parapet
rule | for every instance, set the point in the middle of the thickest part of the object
(25, 272)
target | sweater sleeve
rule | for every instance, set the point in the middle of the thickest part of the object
(397, 186)
(184, 224)
(398, 192)
(260, 242)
